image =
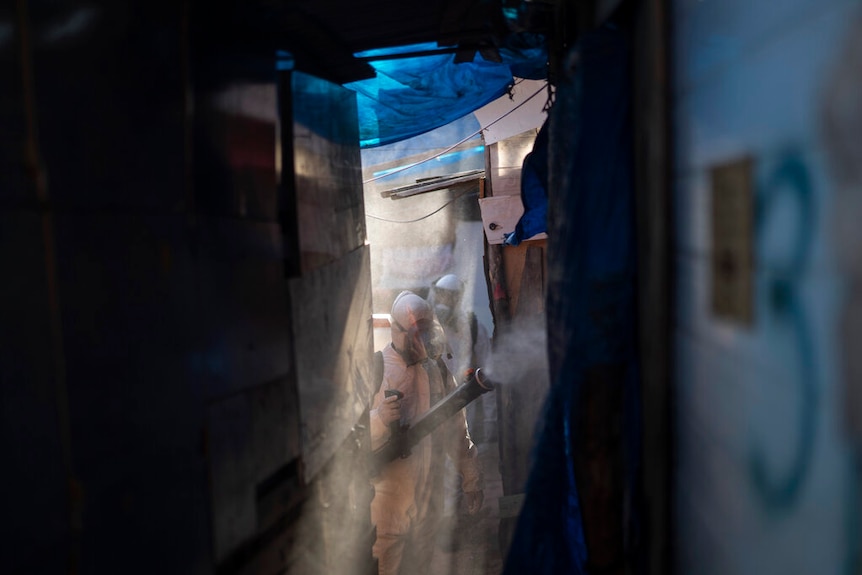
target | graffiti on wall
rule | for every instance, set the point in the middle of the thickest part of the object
(789, 182)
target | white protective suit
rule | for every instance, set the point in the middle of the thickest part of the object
(408, 500)
(469, 346)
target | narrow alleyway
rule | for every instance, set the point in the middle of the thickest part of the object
(477, 551)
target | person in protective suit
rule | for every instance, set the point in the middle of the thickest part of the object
(408, 492)
(469, 347)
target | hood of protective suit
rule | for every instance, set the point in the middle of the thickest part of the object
(447, 291)
(449, 282)
(416, 334)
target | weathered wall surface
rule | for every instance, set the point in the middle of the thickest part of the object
(417, 239)
(763, 478)
(516, 277)
(148, 375)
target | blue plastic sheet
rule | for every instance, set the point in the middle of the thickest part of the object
(411, 96)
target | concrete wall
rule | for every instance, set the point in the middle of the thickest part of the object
(763, 476)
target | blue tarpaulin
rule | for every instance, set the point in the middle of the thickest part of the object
(413, 95)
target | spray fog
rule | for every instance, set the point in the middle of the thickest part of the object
(519, 354)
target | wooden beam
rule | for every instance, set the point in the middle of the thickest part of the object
(652, 109)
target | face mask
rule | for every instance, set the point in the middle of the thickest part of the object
(433, 340)
(447, 298)
(423, 339)
(444, 313)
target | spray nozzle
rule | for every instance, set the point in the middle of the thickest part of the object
(483, 380)
(433, 340)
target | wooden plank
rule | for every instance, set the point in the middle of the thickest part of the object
(651, 119)
(506, 277)
(369, 170)
(433, 184)
(520, 405)
(498, 291)
(531, 297)
(513, 258)
(499, 287)
(487, 189)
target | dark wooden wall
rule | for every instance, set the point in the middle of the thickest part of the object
(516, 277)
(152, 356)
(652, 148)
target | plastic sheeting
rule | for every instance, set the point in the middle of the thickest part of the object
(413, 95)
(581, 506)
(534, 192)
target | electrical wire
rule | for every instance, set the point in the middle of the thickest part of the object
(455, 145)
(419, 219)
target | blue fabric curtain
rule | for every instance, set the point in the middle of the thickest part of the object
(572, 522)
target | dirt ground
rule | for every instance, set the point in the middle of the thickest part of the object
(477, 551)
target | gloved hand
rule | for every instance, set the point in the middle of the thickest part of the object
(389, 410)
(474, 500)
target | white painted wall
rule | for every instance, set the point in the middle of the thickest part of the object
(749, 80)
